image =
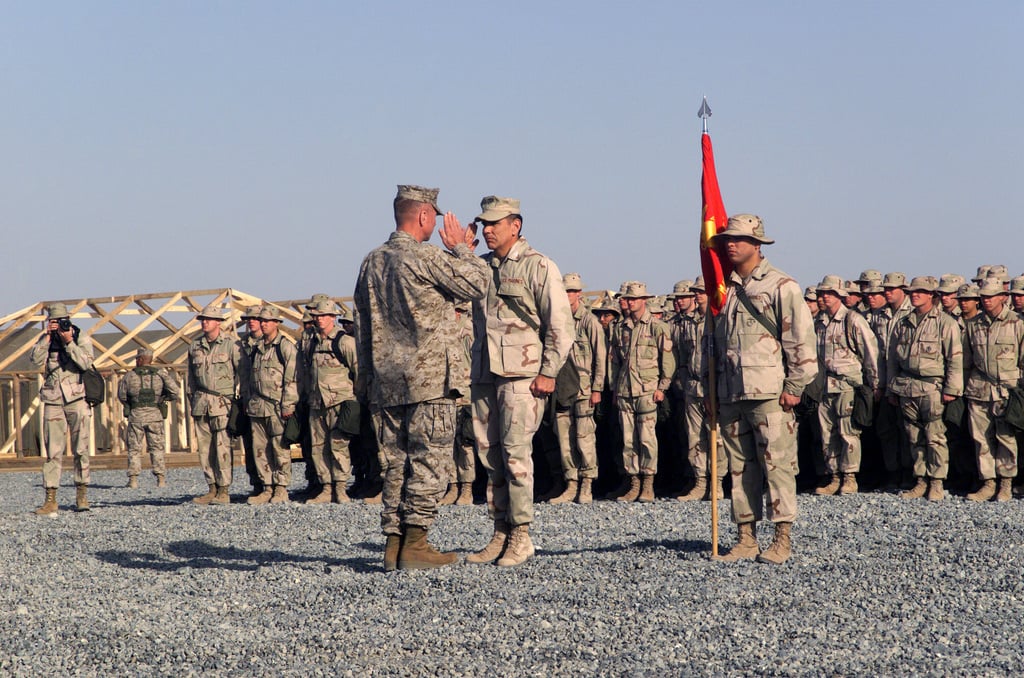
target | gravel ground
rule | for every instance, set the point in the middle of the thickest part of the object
(148, 583)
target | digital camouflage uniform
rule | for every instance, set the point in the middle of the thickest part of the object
(211, 384)
(523, 327)
(63, 398)
(405, 324)
(272, 394)
(330, 383)
(464, 451)
(141, 391)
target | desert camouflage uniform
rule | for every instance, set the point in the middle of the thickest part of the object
(523, 327)
(329, 384)
(273, 393)
(212, 383)
(896, 454)
(577, 431)
(925, 362)
(687, 387)
(642, 362)
(142, 390)
(64, 406)
(993, 361)
(405, 324)
(754, 369)
(842, 368)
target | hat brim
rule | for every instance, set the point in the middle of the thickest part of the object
(494, 215)
(918, 288)
(739, 236)
(841, 293)
(637, 296)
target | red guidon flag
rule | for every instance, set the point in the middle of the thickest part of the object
(713, 220)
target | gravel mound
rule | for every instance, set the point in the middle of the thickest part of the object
(148, 583)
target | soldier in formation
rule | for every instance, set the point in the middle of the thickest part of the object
(144, 393)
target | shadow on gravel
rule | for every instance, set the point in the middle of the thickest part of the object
(200, 555)
(678, 545)
(149, 501)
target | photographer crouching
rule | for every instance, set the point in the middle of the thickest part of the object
(64, 354)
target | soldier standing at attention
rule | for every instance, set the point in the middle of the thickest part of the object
(643, 364)
(523, 333)
(253, 335)
(463, 471)
(212, 383)
(925, 371)
(404, 326)
(764, 344)
(577, 431)
(64, 354)
(1017, 295)
(949, 283)
(142, 391)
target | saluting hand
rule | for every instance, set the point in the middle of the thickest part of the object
(453, 234)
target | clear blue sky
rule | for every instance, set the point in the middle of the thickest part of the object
(155, 146)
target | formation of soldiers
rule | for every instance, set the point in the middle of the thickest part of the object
(906, 385)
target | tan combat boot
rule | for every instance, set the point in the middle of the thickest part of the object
(450, 496)
(133, 482)
(849, 485)
(392, 547)
(571, 488)
(831, 488)
(340, 496)
(495, 547)
(161, 481)
(206, 498)
(520, 548)
(646, 490)
(370, 498)
(1005, 489)
(917, 491)
(746, 544)
(81, 498)
(324, 497)
(557, 487)
(935, 490)
(780, 550)
(222, 497)
(465, 495)
(261, 498)
(49, 504)
(985, 492)
(697, 492)
(586, 494)
(417, 554)
(634, 490)
(280, 495)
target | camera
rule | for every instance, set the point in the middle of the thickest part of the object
(64, 324)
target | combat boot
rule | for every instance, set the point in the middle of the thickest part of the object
(160, 481)
(697, 492)
(133, 482)
(646, 490)
(495, 547)
(935, 490)
(465, 494)
(917, 491)
(985, 492)
(417, 554)
(831, 488)
(81, 497)
(450, 496)
(849, 485)
(571, 488)
(208, 497)
(261, 498)
(221, 498)
(1005, 489)
(520, 548)
(721, 490)
(49, 504)
(340, 496)
(280, 495)
(586, 494)
(556, 489)
(619, 489)
(746, 544)
(634, 490)
(371, 495)
(780, 550)
(392, 547)
(323, 497)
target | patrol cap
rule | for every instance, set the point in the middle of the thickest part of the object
(635, 290)
(419, 194)
(949, 283)
(495, 208)
(810, 294)
(251, 312)
(895, 279)
(923, 283)
(698, 284)
(999, 272)
(1017, 286)
(316, 299)
(144, 353)
(572, 282)
(992, 287)
(324, 307)
(831, 283)
(213, 312)
(981, 274)
(683, 288)
(870, 276)
(968, 291)
(745, 226)
(57, 311)
(269, 312)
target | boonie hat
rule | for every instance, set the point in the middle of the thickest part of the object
(57, 311)
(949, 283)
(968, 291)
(324, 307)
(831, 283)
(810, 294)
(895, 279)
(1017, 285)
(269, 312)
(683, 288)
(213, 312)
(923, 283)
(572, 282)
(745, 226)
(636, 290)
(992, 287)
(698, 284)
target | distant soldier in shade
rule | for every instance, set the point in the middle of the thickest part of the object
(253, 335)
(463, 473)
(1017, 294)
(142, 391)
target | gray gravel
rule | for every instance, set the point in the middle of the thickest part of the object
(149, 584)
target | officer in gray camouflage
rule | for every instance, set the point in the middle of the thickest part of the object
(142, 391)
(404, 327)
